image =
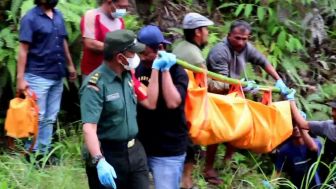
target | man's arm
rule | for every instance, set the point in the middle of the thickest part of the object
(91, 139)
(88, 29)
(271, 71)
(93, 44)
(256, 58)
(170, 93)
(309, 141)
(152, 91)
(21, 66)
(71, 67)
(300, 121)
(217, 61)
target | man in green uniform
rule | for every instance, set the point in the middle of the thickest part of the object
(108, 102)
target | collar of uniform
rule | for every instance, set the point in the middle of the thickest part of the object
(41, 12)
(108, 71)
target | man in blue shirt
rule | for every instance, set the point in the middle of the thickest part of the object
(296, 155)
(43, 60)
(321, 128)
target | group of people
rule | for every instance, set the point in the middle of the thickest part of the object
(133, 94)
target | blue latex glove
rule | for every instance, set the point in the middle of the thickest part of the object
(282, 86)
(291, 94)
(251, 87)
(267, 184)
(160, 61)
(106, 174)
(169, 58)
(304, 115)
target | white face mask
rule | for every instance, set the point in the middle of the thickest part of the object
(132, 62)
(119, 13)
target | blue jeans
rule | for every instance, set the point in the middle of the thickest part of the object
(49, 93)
(167, 171)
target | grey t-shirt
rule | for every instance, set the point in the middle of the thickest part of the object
(223, 60)
(324, 128)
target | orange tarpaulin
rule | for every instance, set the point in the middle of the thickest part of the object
(214, 118)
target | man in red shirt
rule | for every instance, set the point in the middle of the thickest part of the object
(94, 25)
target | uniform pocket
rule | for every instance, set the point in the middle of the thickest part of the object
(115, 108)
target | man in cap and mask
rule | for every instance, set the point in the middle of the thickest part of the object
(108, 100)
(43, 60)
(94, 25)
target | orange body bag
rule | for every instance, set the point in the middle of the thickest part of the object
(214, 118)
(22, 117)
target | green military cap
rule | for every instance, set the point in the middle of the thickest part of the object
(121, 40)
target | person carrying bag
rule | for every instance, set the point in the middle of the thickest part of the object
(22, 117)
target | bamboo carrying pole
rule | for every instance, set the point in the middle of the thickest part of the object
(222, 78)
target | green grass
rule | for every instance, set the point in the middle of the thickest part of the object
(245, 171)
(16, 172)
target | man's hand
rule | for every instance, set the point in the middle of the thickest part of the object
(21, 85)
(72, 73)
(106, 174)
(251, 87)
(160, 61)
(291, 94)
(169, 58)
(282, 86)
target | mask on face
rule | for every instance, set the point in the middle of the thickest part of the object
(119, 13)
(132, 62)
(51, 3)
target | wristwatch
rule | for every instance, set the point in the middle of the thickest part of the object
(96, 159)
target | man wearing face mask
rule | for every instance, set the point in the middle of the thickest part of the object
(108, 100)
(94, 25)
(43, 60)
(163, 130)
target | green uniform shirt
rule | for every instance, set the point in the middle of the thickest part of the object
(109, 101)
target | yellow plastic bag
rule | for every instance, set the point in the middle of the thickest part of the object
(22, 117)
(214, 118)
(272, 125)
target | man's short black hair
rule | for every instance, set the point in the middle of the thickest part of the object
(189, 34)
(38, 2)
(240, 23)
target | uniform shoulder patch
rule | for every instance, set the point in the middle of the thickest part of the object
(94, 79)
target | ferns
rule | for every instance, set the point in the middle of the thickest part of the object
(14, 10)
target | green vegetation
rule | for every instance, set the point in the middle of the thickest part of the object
(278, 34)
(17, 173)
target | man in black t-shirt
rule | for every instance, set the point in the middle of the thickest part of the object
(163, 130)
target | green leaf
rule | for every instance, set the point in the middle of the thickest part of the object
(239, 9)
(281, 41)
(224, 5)
(274, 30)
(261, 13)
(248, 10)
(270, 12)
